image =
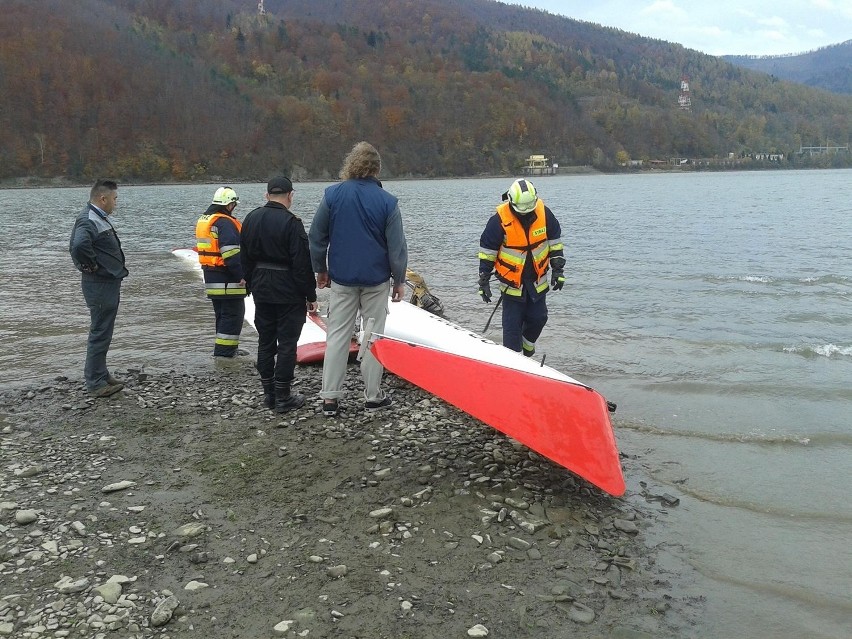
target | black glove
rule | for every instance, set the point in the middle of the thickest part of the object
(557, 279)
(485, 287)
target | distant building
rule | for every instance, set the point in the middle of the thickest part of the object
(684, 101)
(817, 150)
(539, 165)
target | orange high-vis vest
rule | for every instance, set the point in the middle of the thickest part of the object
(518, 243)
(207, 240)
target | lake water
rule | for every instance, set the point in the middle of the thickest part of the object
(715, 309)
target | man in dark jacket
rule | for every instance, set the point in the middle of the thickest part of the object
(217, 236)
(96, 252)
(357, 247)
(277, 268)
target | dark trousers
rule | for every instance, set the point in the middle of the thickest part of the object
(523, 321)
(230, 313)
(102, 297)
(278, 329)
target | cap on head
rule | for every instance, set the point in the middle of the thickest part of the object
(279, 185)
(225, 195)
(521, 196)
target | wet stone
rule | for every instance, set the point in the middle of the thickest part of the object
(625, 526)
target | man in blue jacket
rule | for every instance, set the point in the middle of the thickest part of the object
(96, 252)
(357, 246)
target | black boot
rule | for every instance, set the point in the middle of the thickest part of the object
(284, 400)
(268, 392)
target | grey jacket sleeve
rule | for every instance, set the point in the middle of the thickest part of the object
(82, 247)
(397, 246)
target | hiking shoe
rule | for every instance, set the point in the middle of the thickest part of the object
(112, 381)
(106, 390)
(330, 407)
(380, 404)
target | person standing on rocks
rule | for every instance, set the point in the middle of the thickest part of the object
(96, 252)
(277, 266)
(217, 236)
(357, 246)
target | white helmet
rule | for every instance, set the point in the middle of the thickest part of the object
(225, 195)
(522, 196)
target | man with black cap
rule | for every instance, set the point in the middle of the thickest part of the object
(279, 276)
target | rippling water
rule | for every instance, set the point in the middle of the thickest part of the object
(715, 309)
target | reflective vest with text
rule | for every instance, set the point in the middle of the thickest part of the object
(517, 245)
(207, 241)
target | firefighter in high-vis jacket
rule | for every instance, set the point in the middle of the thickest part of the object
(217, 235)
(521, 244)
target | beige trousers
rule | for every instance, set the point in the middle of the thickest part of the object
(345, 303)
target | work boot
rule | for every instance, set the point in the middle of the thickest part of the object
(268, 392)
(284, 400)
(106, 390)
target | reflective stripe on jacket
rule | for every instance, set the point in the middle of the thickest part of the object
(207, 241)
(222, 289)
(517, 245)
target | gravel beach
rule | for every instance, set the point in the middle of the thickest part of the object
(181, 507)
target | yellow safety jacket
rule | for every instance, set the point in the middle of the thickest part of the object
(207, 241)
(517, 245)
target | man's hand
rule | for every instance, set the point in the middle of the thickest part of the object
(322, 280)
(557, 279)
(313, 308)
(398, 292)
(485, 287)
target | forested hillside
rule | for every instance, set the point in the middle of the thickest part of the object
(194, 89)
(827, 68)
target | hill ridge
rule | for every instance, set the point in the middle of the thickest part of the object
(190, 89)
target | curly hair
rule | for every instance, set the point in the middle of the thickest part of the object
(362, 161)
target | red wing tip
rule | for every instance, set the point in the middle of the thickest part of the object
(310, 353)
(315, 352)
(616, 489)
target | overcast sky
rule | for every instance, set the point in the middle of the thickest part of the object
(719, 27)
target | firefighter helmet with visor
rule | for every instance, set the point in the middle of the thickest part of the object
(225, 195)
(521, 196)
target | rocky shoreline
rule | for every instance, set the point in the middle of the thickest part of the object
(181, 507)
